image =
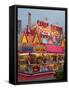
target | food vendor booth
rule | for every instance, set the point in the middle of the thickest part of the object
(42, 63)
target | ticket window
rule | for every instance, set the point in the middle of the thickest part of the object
(48, 59)
(23, 62)
(60, 58)
(54, 59)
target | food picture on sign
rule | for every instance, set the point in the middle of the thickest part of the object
(41, 44)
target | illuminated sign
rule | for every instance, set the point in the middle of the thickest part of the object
(40, 49)
(27, 49)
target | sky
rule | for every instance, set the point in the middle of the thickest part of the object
(53, 16)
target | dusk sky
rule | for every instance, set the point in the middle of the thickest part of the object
(53, 16)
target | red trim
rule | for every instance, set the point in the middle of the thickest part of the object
(35, 76)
